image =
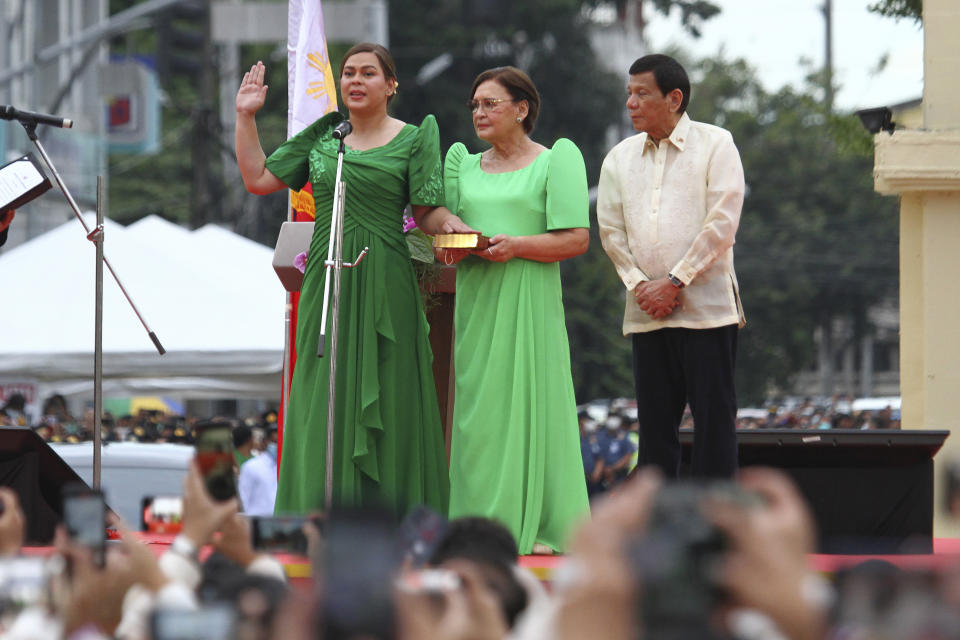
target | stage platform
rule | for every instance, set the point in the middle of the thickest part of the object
(946, 552)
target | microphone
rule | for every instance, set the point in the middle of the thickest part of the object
(8, 112)
(342, 130)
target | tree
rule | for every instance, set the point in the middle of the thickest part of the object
(816, 242)
(899, 9)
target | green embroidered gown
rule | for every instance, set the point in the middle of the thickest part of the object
(515, 450)
(388, 447)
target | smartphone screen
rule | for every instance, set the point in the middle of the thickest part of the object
(85, 517)
(278, 534)
(214, 446)
(214, 622)
(161, 514)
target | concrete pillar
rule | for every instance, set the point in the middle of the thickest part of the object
(923, 167)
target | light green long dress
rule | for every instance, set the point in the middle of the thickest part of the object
(515, 451)
(388, 447)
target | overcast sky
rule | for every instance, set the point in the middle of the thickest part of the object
(773, 36)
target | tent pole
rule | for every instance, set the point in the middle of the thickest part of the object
(98, 339)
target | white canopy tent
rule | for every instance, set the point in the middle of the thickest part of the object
(211, 297)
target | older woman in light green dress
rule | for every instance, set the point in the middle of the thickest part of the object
(515, 451)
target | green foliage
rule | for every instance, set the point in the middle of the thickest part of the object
(815, 240)
(420, 246)
(593, 303)
(899, 9)
(578, 101)
(544, 37)
(692, 12)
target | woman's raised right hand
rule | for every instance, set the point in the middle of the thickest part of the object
(252, 92)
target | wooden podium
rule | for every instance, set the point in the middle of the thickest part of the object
(440, 317)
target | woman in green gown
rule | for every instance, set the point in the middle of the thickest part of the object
(515, 449)
(388, 442)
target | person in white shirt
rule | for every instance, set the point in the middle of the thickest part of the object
(668, 208)
(257, 482)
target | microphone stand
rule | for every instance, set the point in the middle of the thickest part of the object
(334, 265)
(95, 236)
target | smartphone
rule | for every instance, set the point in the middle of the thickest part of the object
(214, 446)
(211, 622)
(161, 514)
(420, 532)
(278, 534)
(85, 517)
(361, 560)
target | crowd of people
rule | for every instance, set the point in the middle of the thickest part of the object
(832, 413)
(56, 423)
(610, 439)
(657, 559)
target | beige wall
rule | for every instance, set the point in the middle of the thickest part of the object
(923, 167)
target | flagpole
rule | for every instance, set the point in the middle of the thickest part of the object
(311, 93)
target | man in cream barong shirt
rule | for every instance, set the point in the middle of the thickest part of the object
(668, 207)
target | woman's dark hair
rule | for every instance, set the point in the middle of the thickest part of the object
(387, 65)
(668, 73)
(520, 87)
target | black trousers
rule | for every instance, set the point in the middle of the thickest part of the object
(671, 368)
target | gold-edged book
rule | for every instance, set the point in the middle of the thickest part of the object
(461, 241)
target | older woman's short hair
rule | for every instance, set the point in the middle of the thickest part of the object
(520, 87)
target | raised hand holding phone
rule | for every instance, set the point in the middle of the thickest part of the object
(202, 515)
(214, 445)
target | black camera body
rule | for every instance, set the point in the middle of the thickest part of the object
(676, 561)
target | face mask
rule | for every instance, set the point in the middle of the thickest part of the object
(272, 449)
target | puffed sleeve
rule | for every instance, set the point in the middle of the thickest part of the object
(426, 171)
(568, 204)
(451, 175)
(291, 161)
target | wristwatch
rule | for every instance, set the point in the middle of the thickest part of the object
(184, 546)
(675, 281)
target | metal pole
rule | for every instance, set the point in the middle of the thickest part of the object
(336, 270)
(331, 249)
(334, 264)
(98, 339)
(32, 134)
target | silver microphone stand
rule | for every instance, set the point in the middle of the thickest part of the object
(95, 236)
(334, 264)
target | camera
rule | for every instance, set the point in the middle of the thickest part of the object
(419, 533)
(675, 562)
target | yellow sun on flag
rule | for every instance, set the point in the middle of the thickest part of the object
(317, 89)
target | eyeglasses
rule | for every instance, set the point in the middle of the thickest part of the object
(488, 104)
